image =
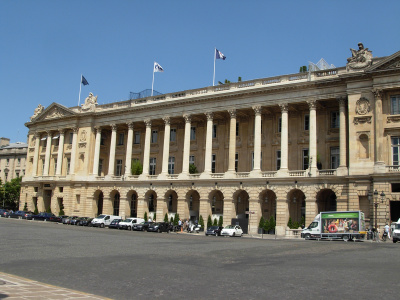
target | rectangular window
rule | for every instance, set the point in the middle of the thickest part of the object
(191, 160)
(280, 124)
(71, 137)
(137, 137)
(306, 122)
(152, 169)
(154, 135)
(395, 104)
(395, 150)
(237, 128)
(335, 120)
(172, 137)
(252, 160)
(171, 165)
(335, 157)
(305, 159)
(55, 165)
(213, 158)
(120, 139)
(7, 161)
(68, 165)
(102, 140)
(192, 133)
(119, 167)
(19, 161)
(100, 167)
(61, 189)
(214, 131)
(236, 161)
(278, 159)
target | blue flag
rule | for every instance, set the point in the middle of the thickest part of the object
(84, 81)
(219, 55)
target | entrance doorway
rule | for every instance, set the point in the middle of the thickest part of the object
(394, 211)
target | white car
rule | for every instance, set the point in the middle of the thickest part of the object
(129, 222)
(232, 230)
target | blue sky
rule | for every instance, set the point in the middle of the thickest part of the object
(46, 45)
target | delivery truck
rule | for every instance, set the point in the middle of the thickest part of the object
(336, 225)
(396, 231)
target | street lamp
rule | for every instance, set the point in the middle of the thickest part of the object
(376, 203)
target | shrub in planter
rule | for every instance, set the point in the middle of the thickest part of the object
(26, 207)
(36, 211)
(215, 223)
(261, 225)
(145, 216)
(272, 225)
(176, 219)
(171, 220)
(201, 223)
(166, 218)
(266, 226)
(221, 221)
(48, 210)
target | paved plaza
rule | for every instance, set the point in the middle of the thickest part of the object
(91, 263)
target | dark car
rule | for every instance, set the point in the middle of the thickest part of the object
(43, 216)
(85, 221)
(114, 224)
(19, 214)
(143, 226)
(56, 219)
(4, 213)
(159, 227)
(74, 221)
(214, 230)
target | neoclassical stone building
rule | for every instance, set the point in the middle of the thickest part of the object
(12, 159)
(286, 146)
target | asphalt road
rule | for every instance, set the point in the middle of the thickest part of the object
(138, 265)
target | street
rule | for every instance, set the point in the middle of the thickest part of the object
(137, 265)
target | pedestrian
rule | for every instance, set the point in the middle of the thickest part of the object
(378, 233)
(387, 230)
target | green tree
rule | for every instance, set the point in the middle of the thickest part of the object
(26, 207)
(261, 223)
(136, 167)
(221, 221)
(10, 192)
(176, 219)
(192, 169)
(145, 216)
(267, 226)
(171, 220)
(215, 223)
(290, 223)
(201, 221)
(272, 223)
(61, 213)
(166, 218)
(48, 210)
(209, 221)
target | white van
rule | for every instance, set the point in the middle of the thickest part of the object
(103, 220)
(128, 223)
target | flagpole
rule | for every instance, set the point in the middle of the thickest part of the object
(80, 88)
(152, 85)
(215, 51)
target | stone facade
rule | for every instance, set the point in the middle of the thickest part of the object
(287, 146)
(12, 159)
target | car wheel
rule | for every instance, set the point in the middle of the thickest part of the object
(307, 236)
(233, 234)
(102, 225)
(129, 228)
(216, 234)
(159, 230)
(346, 238)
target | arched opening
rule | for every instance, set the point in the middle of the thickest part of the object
(326, 200)
(171, 204)
(151, 201)
(99, 201)
(242, 208)
(217, 205)
(132, 202)
(116, 203)
(193, 205)
(296, 206)
(268, 205)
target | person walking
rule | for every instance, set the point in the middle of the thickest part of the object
(378, 234)
(387, 230)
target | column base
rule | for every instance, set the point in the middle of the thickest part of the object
(282, 173)
(255, 173)
(231, 174)
(162, 176)
(342, 171)
(205, 175)
(379, 167)
(183, 176)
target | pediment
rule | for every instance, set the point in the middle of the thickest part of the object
(391, 62)
(54, 111)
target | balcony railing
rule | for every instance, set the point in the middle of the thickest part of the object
(393, 169)
(298, 173)
(269, 174)
(331, 172)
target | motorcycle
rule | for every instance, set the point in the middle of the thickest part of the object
(384, 236)
(193, 228)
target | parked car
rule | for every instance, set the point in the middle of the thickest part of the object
(114, 224)
(85, 221)
(232, 230)
(129, 222)
(142, 226)
(159, 227)
(43, 216)
(68, 220)
(104, 220)
(64, 219)
(214, 230)
(74, 221)
(19, 214)
(56, 219)
(4, 212)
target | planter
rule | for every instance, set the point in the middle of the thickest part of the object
(272, 231)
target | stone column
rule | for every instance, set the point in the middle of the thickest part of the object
(379, 164)
(313, 137)
(60, 153)
(257, 141)
(141, 206)
(113, 143)
(167, 133)
(186, 145)
(36, 154)
(96, 158)
(282, 215)
(47, 157)
(129, 143)
(232, 141)
(208, 152)
(229, 211)
(342, 170)
(73, 150)
(146, 155)
(283, 171)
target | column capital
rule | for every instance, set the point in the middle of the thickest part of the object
(113, 127)
(37, 135)
(130, 125)
(49, 133)
(257, 109)
(75, 129)
(188, 118)
(232, 113)
(167, 120)
(284, 107)
(377, 93)
(61, 131)
(147, 122)
(209, 115)
(312, 104)
(96, 129)
(341, 100)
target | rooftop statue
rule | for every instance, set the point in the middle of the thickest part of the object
(360, 58)
(90, 103)
(38, 111)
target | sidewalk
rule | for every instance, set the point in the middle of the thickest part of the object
(14, 287)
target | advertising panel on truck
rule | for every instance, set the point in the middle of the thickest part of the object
(342, 222)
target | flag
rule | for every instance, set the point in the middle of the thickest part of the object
(84, 81)
(157, 67)
(219, 54)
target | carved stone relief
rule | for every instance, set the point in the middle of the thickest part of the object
(363, 106)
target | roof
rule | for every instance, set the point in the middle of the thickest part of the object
(16, 145)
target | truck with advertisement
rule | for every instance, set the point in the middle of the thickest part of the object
(336, 225)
